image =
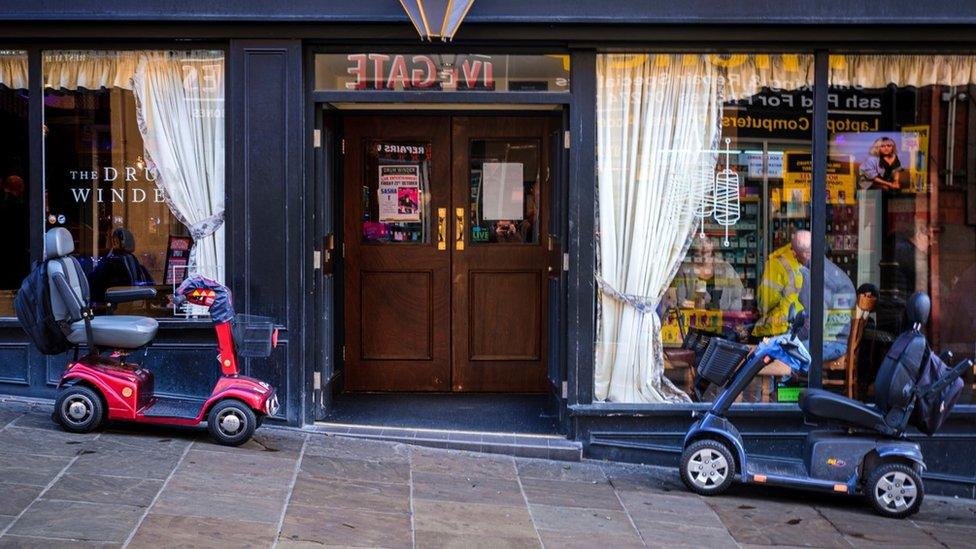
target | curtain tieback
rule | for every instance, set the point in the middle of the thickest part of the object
(206, 226)
(643, 304)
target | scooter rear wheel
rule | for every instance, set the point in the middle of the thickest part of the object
(79, 409)
(231, 422)
(707, 467)
(895, 490)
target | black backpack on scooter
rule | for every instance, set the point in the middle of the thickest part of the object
(934, 402)
(33, 304)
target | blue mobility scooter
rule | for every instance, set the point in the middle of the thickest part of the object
(862, 450)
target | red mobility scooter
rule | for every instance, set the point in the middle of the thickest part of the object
(99, 387)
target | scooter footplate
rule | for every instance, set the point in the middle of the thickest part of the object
(183, 408)
(777, 467)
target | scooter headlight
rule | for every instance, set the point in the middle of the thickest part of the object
(272, 405)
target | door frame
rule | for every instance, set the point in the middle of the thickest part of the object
(328, 366)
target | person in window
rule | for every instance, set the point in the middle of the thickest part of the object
(881, 168)
(782, 279)
(518, 230)
(120, 267)
(839, 298)
(705, 281)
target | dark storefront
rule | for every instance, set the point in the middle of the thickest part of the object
(529, 209)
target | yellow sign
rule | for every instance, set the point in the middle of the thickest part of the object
(915, 145)
(798, 176)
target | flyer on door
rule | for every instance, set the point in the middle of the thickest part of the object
(399, 193)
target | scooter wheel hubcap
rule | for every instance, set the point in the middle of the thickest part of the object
(708, 468)
(895, 491)
(230, 422)
(77, 408)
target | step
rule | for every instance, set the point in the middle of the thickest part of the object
(770, 466)
(553, 447)
(176, 407)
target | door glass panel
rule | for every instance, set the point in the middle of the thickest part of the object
(396, 192)
(504, 183)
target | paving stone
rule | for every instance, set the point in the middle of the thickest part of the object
(276, 442)
(356, 469)
(562, 493)
(495, 491)
(559, 470)
(452, 541)
(209, 501)
(74, 520)
(260, 465)
(355, 448)
(578, 520)
(166, 442)
(14, 498)
(472, 519)
(628, 477)
(6, 416)
(950, 535)
(351, 494)
(947, 511)
(770, 522)
(669, 507)
(101, 457)
(40, 442)
(582, 540)
(5, 520)
(30, 542)
(36, 421)
(687, 534)
(345, 527)
(104, 489)
(232, 483)
(462, 464)
(160, 531)
(27, 469)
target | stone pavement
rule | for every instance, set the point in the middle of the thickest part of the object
(161, 487)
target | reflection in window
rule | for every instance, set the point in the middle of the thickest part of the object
(134, 165)
(900, 122)
(504, 182)
(14, 177)
(704, 215)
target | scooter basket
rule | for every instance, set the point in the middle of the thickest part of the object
(253, 335)
(720, 360)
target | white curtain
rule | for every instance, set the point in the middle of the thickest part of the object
(877, 71)
(13, 70)
(659, 120)
(180, 105)
(90, 70)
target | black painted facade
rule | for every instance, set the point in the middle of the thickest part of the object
(280, 201)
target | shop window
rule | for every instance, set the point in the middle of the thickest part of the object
(14, 177)
(704, 173)
(444, 72)
(906, 223)
(134, 165)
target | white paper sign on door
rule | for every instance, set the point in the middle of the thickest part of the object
(503, 195)
(399, 193)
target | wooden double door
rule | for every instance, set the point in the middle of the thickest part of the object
(445, 229)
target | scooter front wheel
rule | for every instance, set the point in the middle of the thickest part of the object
(79, 409)
(895, 490)
(231, 422)
(707, 467)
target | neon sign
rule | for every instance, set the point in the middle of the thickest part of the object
(381, 71)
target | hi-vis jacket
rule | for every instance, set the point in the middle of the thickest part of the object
(780, 288)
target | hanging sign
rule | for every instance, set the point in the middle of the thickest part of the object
(399, 193)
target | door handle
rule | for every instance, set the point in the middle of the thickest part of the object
(441, 228)
(459, 228)
(328, 251)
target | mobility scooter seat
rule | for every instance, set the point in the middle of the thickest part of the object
(818, 403)
(116, 332)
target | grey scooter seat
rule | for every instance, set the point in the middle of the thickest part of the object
(823, 404)
(116, 332)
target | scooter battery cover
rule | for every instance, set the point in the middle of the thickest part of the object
(720, 360)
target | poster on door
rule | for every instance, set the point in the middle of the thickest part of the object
(399, 193)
